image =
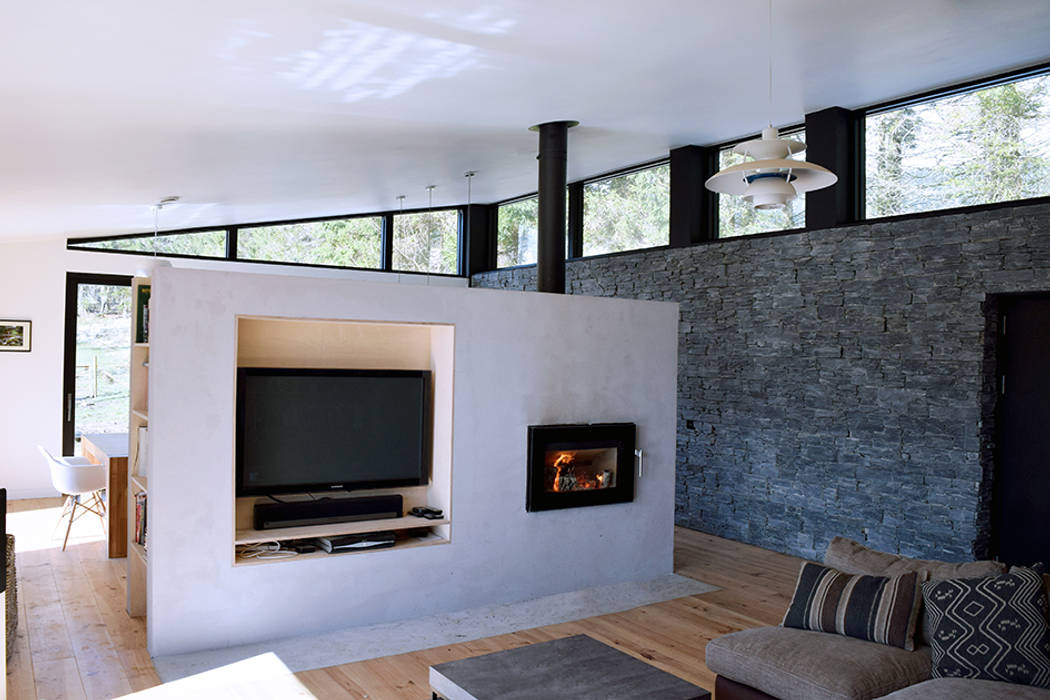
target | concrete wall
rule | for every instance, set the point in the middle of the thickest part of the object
(520, 359)
(836, 382)
(32, 286)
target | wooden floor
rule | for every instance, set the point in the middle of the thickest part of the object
(75, 641)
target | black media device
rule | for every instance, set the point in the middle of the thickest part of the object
(331, 510)
(311, 430)
(357, 543)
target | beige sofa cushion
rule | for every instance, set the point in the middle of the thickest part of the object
(955, 688)
(854, 558)
(794, 664)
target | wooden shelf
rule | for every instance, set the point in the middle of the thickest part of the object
(409, 522)
(406, 543)
(138, 385)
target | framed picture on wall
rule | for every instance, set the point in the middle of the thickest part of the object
(15, 336)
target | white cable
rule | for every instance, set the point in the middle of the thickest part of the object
(265, 550)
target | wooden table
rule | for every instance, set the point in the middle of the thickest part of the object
(111, 449)
(571, 668)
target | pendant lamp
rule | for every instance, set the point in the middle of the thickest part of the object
(772, 178)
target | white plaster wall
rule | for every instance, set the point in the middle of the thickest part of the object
(520, 359)
(32, 286)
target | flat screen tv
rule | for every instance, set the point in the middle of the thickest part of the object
(311, 430)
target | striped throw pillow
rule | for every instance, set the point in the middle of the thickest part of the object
(875, 608)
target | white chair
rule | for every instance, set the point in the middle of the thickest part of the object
(75, 477)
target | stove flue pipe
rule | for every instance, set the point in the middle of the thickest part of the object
(550, 237)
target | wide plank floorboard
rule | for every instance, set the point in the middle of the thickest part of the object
(75, 639)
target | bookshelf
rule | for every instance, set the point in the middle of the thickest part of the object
(138, 448)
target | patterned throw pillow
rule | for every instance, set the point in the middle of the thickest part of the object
(992, 628)
(879, 609)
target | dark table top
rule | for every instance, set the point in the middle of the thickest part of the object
(113, 444)
(578, 667)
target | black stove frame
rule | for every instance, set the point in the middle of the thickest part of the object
(579, 436)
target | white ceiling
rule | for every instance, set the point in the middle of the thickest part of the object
(255, 110)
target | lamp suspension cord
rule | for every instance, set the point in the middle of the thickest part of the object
(769, 51)
(430, 222)
(470, 178)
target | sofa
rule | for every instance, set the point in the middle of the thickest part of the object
(797, 664)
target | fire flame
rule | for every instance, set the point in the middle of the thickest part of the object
(565, 459)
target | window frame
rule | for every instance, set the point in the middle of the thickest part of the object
(574, 224)
(577, 231)
(386, 241)
(495, 229)
(926, 97)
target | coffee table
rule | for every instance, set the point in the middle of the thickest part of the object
(576, 667)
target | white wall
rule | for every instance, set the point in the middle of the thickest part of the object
(32, 286)
(520, 359)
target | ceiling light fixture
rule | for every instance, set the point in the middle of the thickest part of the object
(772, 178)
(147, 271)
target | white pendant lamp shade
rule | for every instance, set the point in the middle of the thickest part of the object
(773, 179)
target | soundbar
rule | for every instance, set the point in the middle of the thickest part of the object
(330, 510)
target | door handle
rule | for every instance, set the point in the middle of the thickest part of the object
(69, 408)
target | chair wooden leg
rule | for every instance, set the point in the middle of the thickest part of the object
(62, 516)
(101, 512)
(70, 526)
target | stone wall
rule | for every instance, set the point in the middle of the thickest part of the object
(837, 381)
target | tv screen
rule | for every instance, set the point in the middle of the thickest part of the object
(303, 430)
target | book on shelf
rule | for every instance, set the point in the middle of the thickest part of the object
(140, 519)
(142, 453)
(142, 314)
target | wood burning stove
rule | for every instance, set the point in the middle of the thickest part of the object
(580, 465)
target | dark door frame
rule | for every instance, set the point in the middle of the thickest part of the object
(1002, 302)
(69, 360)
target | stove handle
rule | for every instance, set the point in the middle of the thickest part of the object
(638, 454)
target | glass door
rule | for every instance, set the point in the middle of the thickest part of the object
(97, 357)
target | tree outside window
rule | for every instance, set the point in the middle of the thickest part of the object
(427, 242)
(986, 146)
(355, 242)
(627, 212)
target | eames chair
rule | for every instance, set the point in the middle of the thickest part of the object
(79, 480)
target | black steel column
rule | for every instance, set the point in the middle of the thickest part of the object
(833, 141)
(550, 243)
(693, 206)
(478, 251)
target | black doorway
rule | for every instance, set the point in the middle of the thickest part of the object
(1022, 471)
(97, 356)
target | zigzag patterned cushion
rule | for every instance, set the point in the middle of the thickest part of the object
(992, 628)
(874, 608)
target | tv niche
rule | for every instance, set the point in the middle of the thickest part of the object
(305, 431)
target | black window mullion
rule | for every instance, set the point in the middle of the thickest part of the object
(387, 259)
(575, 222)
(231, 243)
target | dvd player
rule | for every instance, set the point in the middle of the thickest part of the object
(356, 543)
